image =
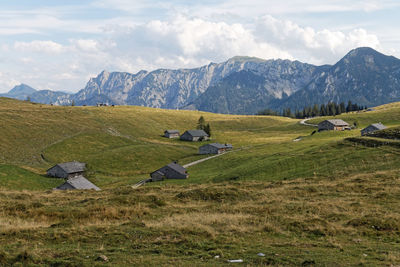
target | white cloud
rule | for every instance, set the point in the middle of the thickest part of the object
(247, 8)
(7, 82)
(88, 45)
(308, 44)
(185, 42)
(177, 42)
(39, 46)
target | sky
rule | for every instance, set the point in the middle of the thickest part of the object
(60, 45)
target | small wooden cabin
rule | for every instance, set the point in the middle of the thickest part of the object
(194, 135)
(170, 171)
(334, 124)
(67, 170)
(214, 148)
(372, 128)
(78, 182)
(171, 133)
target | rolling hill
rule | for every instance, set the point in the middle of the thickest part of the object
(320, 200)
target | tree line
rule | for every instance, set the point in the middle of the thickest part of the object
(330, 109)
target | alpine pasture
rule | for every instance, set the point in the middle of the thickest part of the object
(323, 200)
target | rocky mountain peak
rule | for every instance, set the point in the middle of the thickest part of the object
(246, 59)
(103, 76)
(242, 85)
(366, 57)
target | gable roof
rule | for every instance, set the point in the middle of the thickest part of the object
(177, 167)
(72, 167)
(218, 145)
(171, 131)
(338, 122)
(378, 126)
(197, 133)
(81, 182)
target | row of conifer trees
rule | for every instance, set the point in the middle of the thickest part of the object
(329, 109)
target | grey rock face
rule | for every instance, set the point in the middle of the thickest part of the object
(242, 85)
(364, 76)
(173, 89)
(51, 97)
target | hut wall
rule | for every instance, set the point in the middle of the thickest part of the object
(325, 125)
(367, 130)
(187, 137)
(65, 186)
(171, 135)
(207, 149)
(57, 172)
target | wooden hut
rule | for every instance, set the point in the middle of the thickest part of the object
(214, 148)
(334, 124)
(194, 135)
(78, 182)
(67, 169)
(372, 128)
(170, 171)
(171, 133)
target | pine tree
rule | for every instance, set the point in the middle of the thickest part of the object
(207, 129)
(337, 109)
(349, 106)
(201, 123)
(342, 107)
(322, 110)
(315, 110)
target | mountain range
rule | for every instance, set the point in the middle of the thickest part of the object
(241, 85)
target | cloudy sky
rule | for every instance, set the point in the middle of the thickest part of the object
(59, 45)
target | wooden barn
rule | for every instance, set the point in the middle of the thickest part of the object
(67, 170)
(334, 124)
(214, 148)
(170, 171)
(77, 182)
(372, 128)
(194, 135)
(171, 133)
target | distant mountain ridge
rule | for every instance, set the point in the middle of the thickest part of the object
(20, 92)
(363, 76)
(25, 92)
(242, 85)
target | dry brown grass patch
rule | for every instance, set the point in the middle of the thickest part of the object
(210, 222)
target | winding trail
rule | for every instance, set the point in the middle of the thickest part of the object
(201, 160)
(304, 122)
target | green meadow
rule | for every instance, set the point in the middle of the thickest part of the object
(329, 199)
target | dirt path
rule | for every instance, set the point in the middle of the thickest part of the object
(201, 160)
(304, 122)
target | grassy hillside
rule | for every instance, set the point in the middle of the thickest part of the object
(323, 200)
(120, 144)
(342, 221)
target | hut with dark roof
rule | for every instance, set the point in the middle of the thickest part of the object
(214, 148)
(171, 133)
(170, 171)
(67, 169)
(334, 124)
(79, 183)
(194, 135)
(372, 128)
